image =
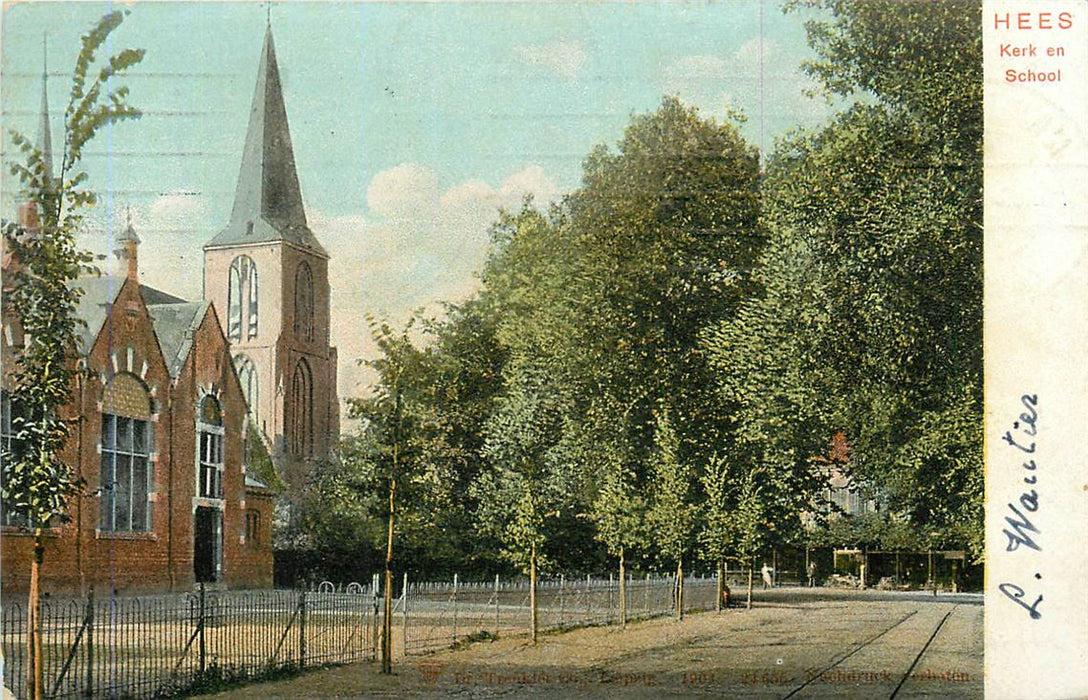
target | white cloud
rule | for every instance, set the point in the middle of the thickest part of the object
(756, 76)
(170, 235)
(415, 247)
(566, 58)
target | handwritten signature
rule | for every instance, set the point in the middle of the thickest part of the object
(1020, 528)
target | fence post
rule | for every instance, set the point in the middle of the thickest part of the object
(589, 606)
(89, 621)
(200, 630)
(374, 603)
(562, 600)
(302, 630)
(455, 608)
(404, 612)
(496, 604)
(609, 599)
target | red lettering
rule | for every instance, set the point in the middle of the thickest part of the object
(1033, 20)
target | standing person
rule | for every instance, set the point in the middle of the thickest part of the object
(812, 574)
(767, 572)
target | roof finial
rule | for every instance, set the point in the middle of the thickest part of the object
(268, 14)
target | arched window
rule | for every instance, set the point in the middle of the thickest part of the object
(126, 472)
(210, 428)
(302, 403)
(247, 375)
(304, 302)
(242, 299)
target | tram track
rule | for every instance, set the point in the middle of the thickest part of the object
(921, 653)
(815, 676)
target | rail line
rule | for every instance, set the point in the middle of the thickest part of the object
(853, 651)
(918, 658)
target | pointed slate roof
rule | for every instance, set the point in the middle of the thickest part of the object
(45, 140)
(268, 200)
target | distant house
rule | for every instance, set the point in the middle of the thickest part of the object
(843, 495)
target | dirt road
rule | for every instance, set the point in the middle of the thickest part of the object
(808, 649)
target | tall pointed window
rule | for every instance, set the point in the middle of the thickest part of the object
(304, 302)
(247, 376)
(242, 299)
(302, 404)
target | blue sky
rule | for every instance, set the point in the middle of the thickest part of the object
(411, 122)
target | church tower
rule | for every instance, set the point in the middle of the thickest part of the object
(268, 278)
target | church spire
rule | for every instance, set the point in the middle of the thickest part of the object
(45, 141)
(268, 200)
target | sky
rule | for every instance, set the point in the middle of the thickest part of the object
(412, 123)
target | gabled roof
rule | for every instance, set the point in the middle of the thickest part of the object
(268, 200)
(175, 325)
(99, 293)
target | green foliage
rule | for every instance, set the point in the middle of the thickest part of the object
(259, 462)
(672, 514)
(37, 483)
(749, 518)
(718, 527)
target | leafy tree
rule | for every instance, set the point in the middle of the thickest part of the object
(672, 514)
(665, 231)
(37, 483)
(397, 448)
(718, 527)
(619, 513)
(749, 524)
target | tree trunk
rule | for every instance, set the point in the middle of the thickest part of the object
(387, 622)
(623, 591)
(751, 573)
(680, 589)
(719, 590)
(34, 677)
(532, 590)
(387, 617)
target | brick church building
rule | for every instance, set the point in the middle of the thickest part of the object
(181, 399)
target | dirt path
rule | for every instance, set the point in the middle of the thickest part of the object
(848, 648)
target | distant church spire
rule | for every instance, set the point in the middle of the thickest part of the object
(45, 140)
(268, 201)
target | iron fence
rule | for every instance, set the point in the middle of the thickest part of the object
(169, 645)
(438, 615)
(161, 646)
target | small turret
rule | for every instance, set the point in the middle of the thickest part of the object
(126, 249)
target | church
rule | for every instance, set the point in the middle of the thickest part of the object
(185, 403)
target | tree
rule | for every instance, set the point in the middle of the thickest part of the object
(619, 513)
(397, 447)
(671, 515)
(749, 520)
(38, 483)
(716, 533)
